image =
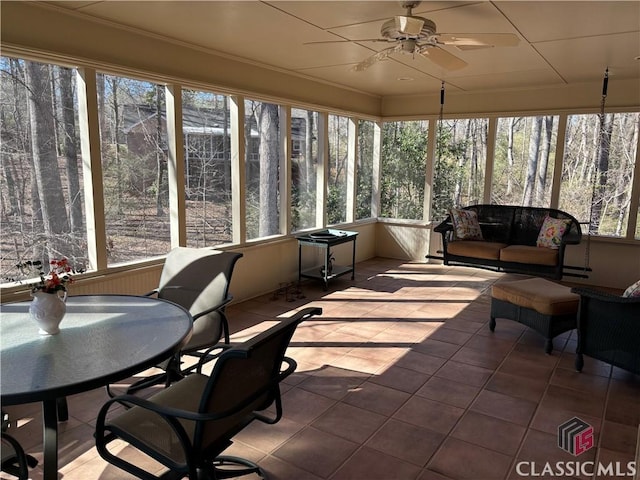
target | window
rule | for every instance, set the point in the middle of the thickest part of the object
(461, 158)
(364, 169)
(263, 151)
(338, 158)
(597, 171)
(134, 160)
(42, 204)
(304, 165)
(207, 162)
(524, 160)
(404, 156)
(42, 201)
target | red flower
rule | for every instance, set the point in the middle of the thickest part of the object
(59, 274)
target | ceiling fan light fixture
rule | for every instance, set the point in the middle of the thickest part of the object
(408, 46)
(409, 25)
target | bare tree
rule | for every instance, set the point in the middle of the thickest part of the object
(268, 126)
(472, 190)
(76, 215)
(43, 146)
(161, 161)
(100, 86)
(602, 169)
(510, 160)
(623, 185)
(543, 163)
(114, 84)
(462, 160)
(308, 154)
(14, 140)
(532, 164)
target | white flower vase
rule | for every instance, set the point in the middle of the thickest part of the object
(48, 309)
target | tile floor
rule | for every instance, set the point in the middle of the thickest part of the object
(400, 378)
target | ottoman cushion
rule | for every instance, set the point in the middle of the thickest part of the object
(541, 295)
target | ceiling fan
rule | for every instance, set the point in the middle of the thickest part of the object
(413, 35)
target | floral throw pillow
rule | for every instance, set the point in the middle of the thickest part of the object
(551, 232)
(465, 224)
(633, 290)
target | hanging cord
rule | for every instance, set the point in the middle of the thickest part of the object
(438, 140)
(439, 129)
(441, 100)
(595, 189)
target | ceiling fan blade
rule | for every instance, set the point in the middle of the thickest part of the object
(349, 41)
(381, 55)
(442, 58)
(478, 40)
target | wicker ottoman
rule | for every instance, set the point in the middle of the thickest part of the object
(547, 307)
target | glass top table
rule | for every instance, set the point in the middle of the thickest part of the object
(102, 339)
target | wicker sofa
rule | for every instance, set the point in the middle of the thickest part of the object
(608, 329)
(509, 236)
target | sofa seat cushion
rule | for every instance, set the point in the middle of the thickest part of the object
(543, 296)
(529, 254)
(476, 249)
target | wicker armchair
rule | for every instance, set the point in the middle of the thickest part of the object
(608, 329)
